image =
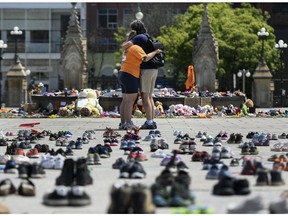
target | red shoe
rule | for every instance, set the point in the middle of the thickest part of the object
(140, 156)
(19, 152)
(33, 153)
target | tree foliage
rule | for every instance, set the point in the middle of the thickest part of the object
(235, 29)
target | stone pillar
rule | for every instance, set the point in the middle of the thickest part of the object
(17, 84)
(262, 87)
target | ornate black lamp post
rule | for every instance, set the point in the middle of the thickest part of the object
(2, 46)
(281, 46)
(16, 33)
(263, 35)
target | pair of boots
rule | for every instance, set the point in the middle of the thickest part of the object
(134, 199)
(74, 172)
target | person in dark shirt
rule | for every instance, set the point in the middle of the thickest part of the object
(149, 73)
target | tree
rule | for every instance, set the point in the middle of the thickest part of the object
(235, 28)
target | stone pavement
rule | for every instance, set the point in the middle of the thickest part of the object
(104, 176)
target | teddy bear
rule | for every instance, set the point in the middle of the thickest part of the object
(88, 103)
(159, 108)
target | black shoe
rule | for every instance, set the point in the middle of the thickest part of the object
(23, 170)
(69, 151)
(118, 163)
(238, 138)
(166, 178)
(61, 151)
(36, 171)
(241, 187)
(82, 175)
(78, 197)
(120, 199)
(224, 187)
(276, 178)
(59, 197)
(262, 179)
(183, 178)
(125, 170)
(182, 166)
(141, 200)
(147, 126)
(67, 174)
(137, 170)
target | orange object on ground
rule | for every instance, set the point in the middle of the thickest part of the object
(190, 82)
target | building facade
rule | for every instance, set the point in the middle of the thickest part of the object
(43, 27)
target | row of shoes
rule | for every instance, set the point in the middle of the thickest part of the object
(130, 199)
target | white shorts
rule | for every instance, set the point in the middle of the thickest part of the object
(148, 79)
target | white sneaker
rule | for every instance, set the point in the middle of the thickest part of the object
(59, 161)
(20, 159)
(47, 161)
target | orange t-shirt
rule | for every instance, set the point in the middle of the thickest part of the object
(132, 60)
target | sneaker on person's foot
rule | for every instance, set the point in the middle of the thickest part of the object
(148, 126)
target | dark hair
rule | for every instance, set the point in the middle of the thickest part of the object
(138, 26)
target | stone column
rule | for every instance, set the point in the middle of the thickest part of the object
(17, 84)
(262, 88)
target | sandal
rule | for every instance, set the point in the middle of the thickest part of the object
(26, 188)
(7, 187)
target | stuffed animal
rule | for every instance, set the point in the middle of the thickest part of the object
(159, 108)
(88, 103)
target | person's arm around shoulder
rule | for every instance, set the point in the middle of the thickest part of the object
(126, 45)
(151, 55)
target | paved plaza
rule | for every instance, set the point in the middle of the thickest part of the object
(104, 176)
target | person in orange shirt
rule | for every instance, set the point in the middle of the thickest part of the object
(129, 78)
